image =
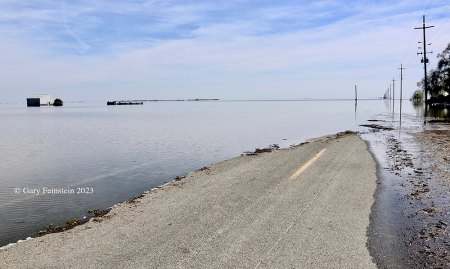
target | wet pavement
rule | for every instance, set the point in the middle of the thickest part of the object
(410, 217)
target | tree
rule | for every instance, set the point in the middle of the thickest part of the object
(444, 67)
(58, 102)
(417, 96)
(439, 78)
(435, 83)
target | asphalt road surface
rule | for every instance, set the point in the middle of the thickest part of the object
(305, 207)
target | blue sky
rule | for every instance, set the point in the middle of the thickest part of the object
(237, 49)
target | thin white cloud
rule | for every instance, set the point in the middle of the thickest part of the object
(223, 50)
(82, 47)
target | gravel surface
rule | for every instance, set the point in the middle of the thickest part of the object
(247, 212)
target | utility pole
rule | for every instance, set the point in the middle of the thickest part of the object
(401, 89)
(424, 59)
(393, 95)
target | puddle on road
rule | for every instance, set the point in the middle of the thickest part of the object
(410, 217)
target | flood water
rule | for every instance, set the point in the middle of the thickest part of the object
(402, 233)
(117, 152)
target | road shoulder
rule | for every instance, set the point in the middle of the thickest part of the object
(240, 213)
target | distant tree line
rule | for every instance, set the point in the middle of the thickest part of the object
(439, 78)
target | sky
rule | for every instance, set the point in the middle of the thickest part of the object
(84, 50)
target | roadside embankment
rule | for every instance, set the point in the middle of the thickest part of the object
(410, 217)
(303, 207)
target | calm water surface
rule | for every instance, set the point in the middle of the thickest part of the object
(122, 151)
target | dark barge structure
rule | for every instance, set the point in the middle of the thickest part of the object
(141, 102)
(121, 103)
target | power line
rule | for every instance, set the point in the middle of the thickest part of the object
(437, 29)
(426, 7)
(407, 52)
(407, 58)
(424, 59)
(442, 35)
(442, 13)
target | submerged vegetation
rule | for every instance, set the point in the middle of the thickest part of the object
(72, 223)
(258, 150)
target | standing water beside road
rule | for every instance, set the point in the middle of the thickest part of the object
(93, 156)
(409, 221)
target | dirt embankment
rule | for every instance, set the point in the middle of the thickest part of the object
(436, 146)
(412, 209)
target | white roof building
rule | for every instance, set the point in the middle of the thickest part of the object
(40, 100)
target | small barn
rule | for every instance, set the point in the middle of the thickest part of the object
(40, 100)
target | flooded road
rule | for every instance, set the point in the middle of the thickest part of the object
(410, 218)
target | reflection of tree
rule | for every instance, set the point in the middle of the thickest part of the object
(417, 97)
(438, 113)
(439, 78)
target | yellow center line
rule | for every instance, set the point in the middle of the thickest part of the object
(306, 165)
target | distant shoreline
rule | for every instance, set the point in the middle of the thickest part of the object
(216, 100)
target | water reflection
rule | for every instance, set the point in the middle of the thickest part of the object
(419, 109)
(438, 112)
(124, 151)
(387, 104)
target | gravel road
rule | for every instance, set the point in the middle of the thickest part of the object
(303, 207)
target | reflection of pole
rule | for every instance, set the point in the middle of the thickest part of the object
(401, 90)
(356, 101)
(393, 95)
(390, 97)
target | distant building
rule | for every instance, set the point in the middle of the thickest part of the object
(40, 100)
